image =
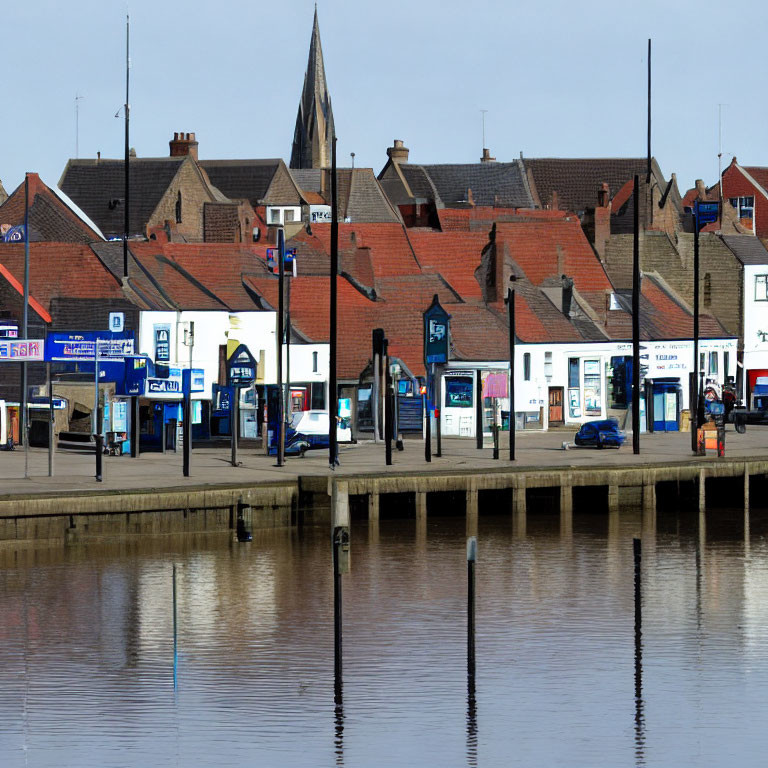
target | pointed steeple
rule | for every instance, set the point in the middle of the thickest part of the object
(314, 131)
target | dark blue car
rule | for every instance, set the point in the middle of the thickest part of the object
(600, 434)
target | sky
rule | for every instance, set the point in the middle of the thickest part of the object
(557, 78)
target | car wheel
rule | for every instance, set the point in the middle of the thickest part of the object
(740, 425)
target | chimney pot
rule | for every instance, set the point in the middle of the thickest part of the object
(398, 153)
(486, 158)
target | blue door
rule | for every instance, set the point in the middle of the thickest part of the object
(666, 407)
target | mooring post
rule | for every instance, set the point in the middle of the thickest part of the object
(99, 457)
(472, 508)
(702, 491)
(373, 506)
(340, 544)
(613, 498)
(471, 558)
(746, 490)
(175, 633)
(566, 510)
(638, 558)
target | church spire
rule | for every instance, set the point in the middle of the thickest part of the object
(314, 131)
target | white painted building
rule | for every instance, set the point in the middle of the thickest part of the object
(755, 359)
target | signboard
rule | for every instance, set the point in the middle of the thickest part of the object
(14, 234)
(706, 213)
(197, 377)
(9, 331)
(436, 333)
(134, 377)
(241, 368)
(59, 403)
(170, 384)
(162, 343)
(116, 321)
(80, 347)
(273, 255)
(197, 411)
(320, 214)
(120, 416)
(31, 350)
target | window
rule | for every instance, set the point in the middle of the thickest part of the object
(707, 289)
(713, 363)
(702, 361)
(548, 364)
(314, 362)
(761, 287)
(178, 208)
(527, 366)
(592, 388)
(274, 216)
(726, 366)
(745, 206)
(289, 215)
(458, 392)
(573, 372)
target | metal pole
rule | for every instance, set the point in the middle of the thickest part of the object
(639, 713)
(375, 395)
(337, 624)
(280, 340)
(235, 423)
(695, 382)
(96, 425)
(388, 410)
(25, 331)
(648, 169)
(127, 149)
(636, 323)
(512, 420)
(288, 406)
(438, 402)
(188, 405)
(175, 633)
(135, 427)
(479, 411)
(51, 420)
(428, 422)
(333, 394)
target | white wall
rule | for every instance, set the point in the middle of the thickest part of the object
(755, 322)
(254, 329)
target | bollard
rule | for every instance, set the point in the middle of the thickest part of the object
(99, 458)
(471, 558)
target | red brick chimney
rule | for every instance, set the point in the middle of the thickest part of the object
(602, 219)
(183, 144)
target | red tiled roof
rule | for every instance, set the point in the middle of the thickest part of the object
(69, 270)
(461, 219)
(759, 174)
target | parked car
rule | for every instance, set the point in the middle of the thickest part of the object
(308, 430)
(601, 434)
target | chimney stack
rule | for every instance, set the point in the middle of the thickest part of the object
(602, 195)
(183, 144)
(486, 158)
(398, 153)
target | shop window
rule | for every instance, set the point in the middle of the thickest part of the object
(458, 392)
(573, 372)
(761, 287)
(527, 366)
(593, 395)
(707, 289)
(713, 363)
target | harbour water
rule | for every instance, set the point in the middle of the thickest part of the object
(87, 649)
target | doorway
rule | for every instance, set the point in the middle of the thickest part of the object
(556, 416)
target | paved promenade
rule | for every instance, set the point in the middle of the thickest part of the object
(211, 466)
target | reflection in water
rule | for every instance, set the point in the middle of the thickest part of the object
(87, 637)
(639, 706)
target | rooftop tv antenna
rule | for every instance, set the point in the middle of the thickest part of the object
(78, 99)
(483, 111)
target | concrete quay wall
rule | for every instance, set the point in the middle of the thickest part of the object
(305, 499)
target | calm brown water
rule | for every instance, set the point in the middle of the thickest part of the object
(86, 649)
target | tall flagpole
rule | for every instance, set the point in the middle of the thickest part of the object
(25, 331)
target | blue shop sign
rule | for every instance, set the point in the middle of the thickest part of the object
(197, 376)
(80, 346)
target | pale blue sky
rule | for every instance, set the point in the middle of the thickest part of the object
(559, 79)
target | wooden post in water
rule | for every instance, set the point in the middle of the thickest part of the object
(471, 559)
(175, 633)
(639, 715)
(340, 544)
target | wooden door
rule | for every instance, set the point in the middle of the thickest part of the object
(556, 406)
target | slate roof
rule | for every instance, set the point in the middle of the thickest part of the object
(746, 248)
(577, 180)
(491, 184)
(241, 179)
(52, 217)
(95, 185)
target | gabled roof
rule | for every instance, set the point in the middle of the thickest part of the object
(244, 179)
(746, 248)
(577, 180)
(61, 270)
(459, 185)
(360, 195)
(53, 217)
(98, 187)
